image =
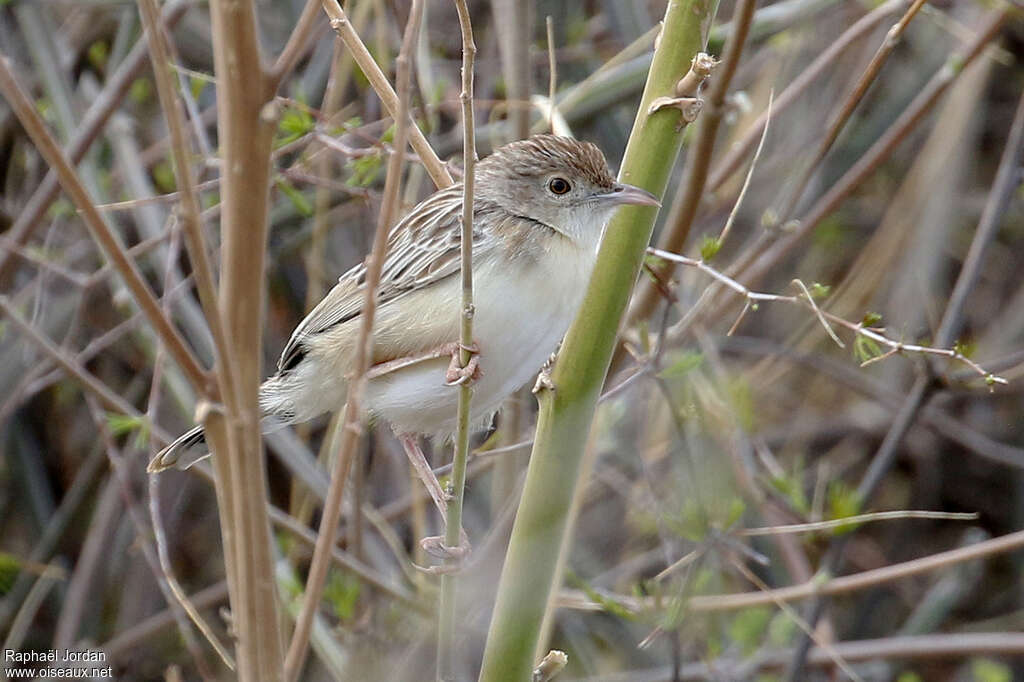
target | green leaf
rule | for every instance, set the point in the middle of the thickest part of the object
(141, 90)
(843, 502)
(987, 670)
(196, 86)
(294, 124)
(909, 676)
(682, 364)
(749, 627)
(871, 319)
(163, 176)
(302, 205)
(819, 290)
(709, 247)
(364, 170)
(342, 592)
(10, 566)
(98, 54)
(865, 349)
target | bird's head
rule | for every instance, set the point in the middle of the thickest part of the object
(558, 181)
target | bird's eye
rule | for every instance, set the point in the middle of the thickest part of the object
(559, 186)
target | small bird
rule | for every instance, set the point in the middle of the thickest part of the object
(540, 209)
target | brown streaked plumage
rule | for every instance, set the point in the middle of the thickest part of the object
(540, 208)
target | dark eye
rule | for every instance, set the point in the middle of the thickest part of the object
(559, 185)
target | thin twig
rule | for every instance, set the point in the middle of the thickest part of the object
(194, 242)
(108, 240)
(453, 522)
(877, 335)
(856, 520)
(298, 43)
(846, 109)
(102, 108)
(352, 429)
(549, 23)
(339, 22)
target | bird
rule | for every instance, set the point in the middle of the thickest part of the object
(540, 208)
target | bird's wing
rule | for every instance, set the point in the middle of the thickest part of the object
(423, 249)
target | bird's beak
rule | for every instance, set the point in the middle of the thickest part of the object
(629, 194)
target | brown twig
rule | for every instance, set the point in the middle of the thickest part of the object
(846, 109)
(104, 236)
(351, 429)
(339, 22)
(246, 123)
(734, 157)
(194, 242)
(103, 107)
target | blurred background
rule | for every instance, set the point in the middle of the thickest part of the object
(723, 414)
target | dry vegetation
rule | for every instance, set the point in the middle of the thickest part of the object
(843, 336)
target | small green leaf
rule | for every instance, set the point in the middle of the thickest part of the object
(342, 593)
(294, 124)
(871, 319)
(196, 86)
(709, 247)
(98, 54)
(965, 348)
(909, 676)
(843, 502)
(865, 349)
(819, 290)
(987, 670)
(364, 170)
(141, 90)
(10, 566)
(683, 364)
(302, 205)
(749, 627)
(163, 176)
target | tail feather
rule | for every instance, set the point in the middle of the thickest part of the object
(186, 450)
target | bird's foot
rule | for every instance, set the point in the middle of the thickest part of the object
(457, 374)
(453, 557)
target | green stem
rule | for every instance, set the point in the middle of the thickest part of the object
(453, 524)
(542, 523)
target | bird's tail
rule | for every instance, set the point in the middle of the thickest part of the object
(186, 450)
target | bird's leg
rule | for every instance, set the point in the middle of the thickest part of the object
(435, 545)
(456, 373)
(426, 474)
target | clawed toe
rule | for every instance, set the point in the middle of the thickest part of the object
(453, 557)
(456, 374)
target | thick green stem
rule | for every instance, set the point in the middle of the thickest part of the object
(541, 527)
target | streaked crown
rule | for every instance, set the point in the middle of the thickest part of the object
(543, 154)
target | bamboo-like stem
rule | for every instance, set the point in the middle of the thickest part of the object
(351, 428)
(108, 240)
(453, 522)
(194, 243)
(246, 122)
(339, 22)
(892, 38)
(698, 160)
(541, 528)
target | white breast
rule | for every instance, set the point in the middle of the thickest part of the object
(523, 310)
